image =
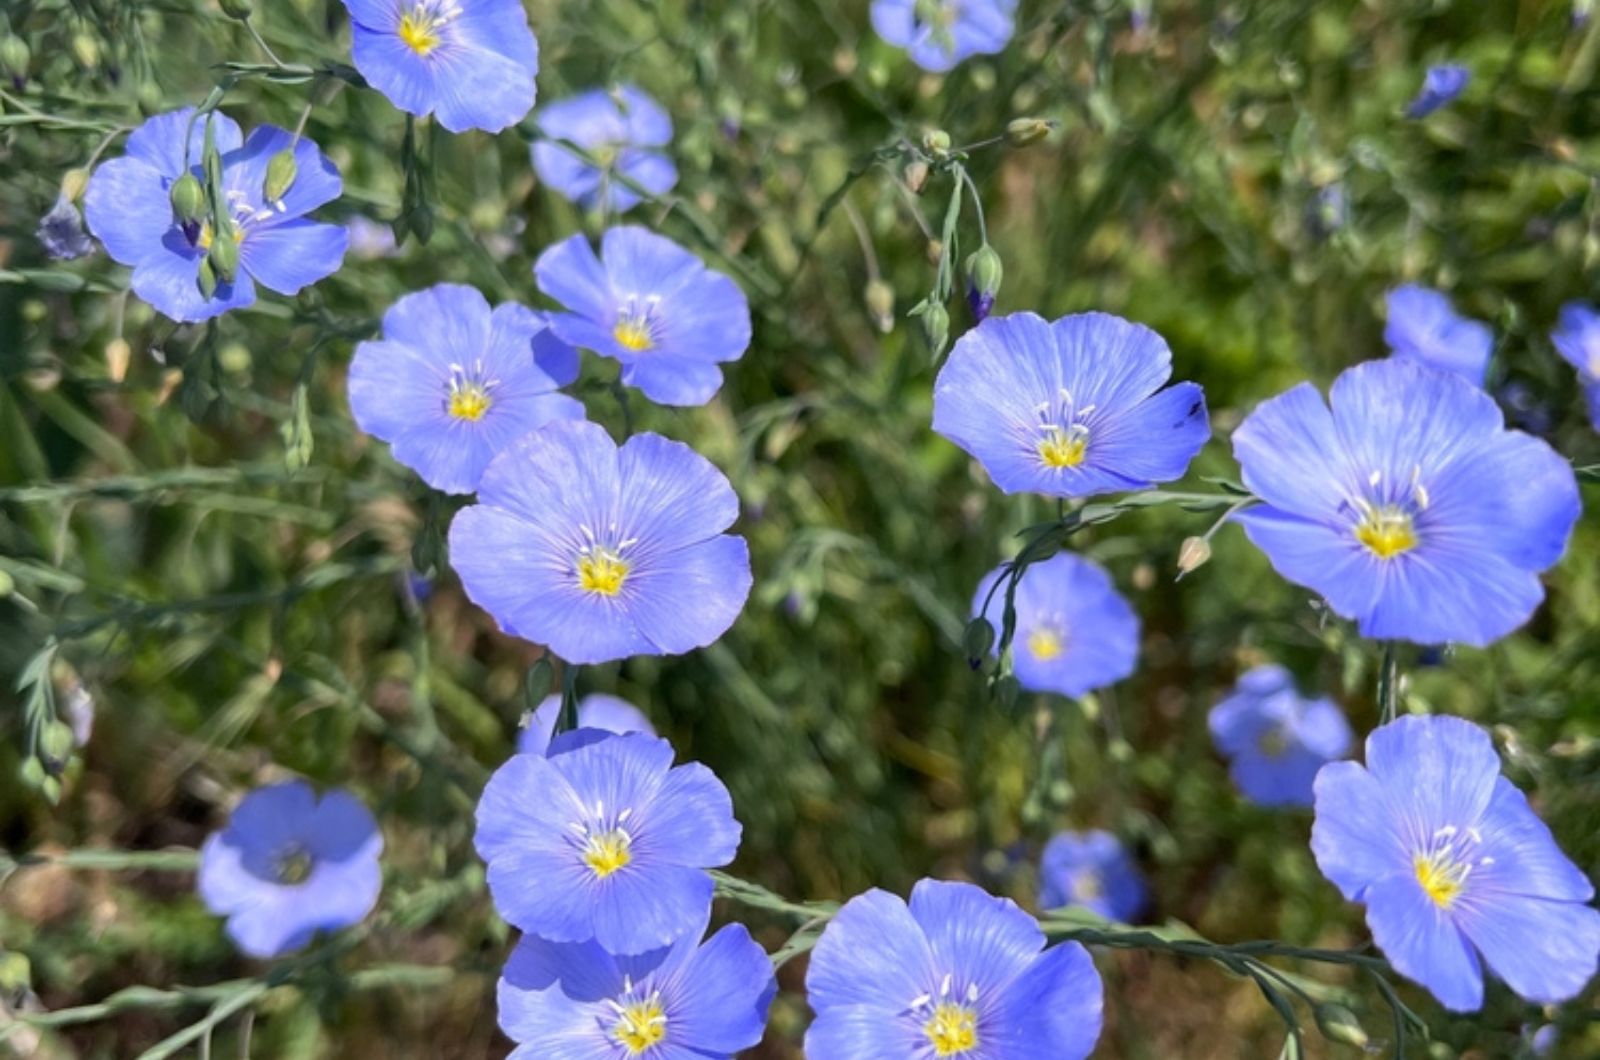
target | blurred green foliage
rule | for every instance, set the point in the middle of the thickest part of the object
(221, 556)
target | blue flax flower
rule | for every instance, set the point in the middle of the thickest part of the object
(1425, 326)
(1440, 87)
(451, 383)
(129, 209)
(1069, 409)
(1274, 740)
(957, 973)
(687, 1001)
(1074, 632)
(1454, 867)
(600, 553)
(471, 63)
(61, 232)
(622, 129)
(651, 305)
(941, 33)
(597, 711)
(605, 840)
(289, 865)
(1092, 870)
(1409, 506)
(1577, 338)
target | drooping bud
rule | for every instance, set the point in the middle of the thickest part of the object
(880, 304)
(1339, 1024)
(87, 49)
(73, 181)
(984, 273)
(281, 171)
(916, 174)
(1007, 689)
(935, 326)
(14, 59)
(55, 746)
(207, 278)
(1193, 554)
(224, 254)
(239, 9)
(976, 640)
(15, 973)
(1020, 132)
(936, 142)
(118, 354)
(188, 199)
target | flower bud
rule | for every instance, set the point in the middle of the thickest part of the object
(118, 355)
(281, 171)
(207, 278)
(916, 176)
(935, 327)
(936, 142)
(1020, 132)
(224, 255)
(55, 746)
(8, 584)
(1193, 554)
(188, 199)
(14, 59)
(976, 640)
(1339, 1024)
(87, 49)
(73, 181)
(880, 304)
(15, 972)
(984, 273)
(239, 9)
(1007, 689)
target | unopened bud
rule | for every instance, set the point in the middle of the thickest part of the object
(188, 199)
(207, 278)
(1339, 1024)
(281, 171)
(14, 58)
(936, 142)
(15, 972)
(239, 9)
(8, 584)
(73, 181)
(935, 327)
(984, 273)
(1007, 689)
(224, 254)
(916, 174)
(118, 355)
(977, 639)
(55, 746)
(87, 49)
(880, 304)
(1193, 554)
(1020, 132)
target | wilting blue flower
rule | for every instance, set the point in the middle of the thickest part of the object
(941, 33)
(470, 63)
(130, 211)
(652, 306)
(1577, 338)
(1274, 740)
(1068, 409)
(1424, 325)
(1454, 866)
(1092, 870)
(1440, 86)
(61, 231)
(1074, 632)
(1410, 507)
(575, 1001)
(600, 553)
(621, 128)
(451, 383)
(957, 973)
(289, 865)
(606, 841)
(596, 711)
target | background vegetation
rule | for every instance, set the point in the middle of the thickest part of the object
(222, 559)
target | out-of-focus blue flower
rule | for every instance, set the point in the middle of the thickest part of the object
(1440, 87)
(1274, 740)
(1577, 338)
(596, 711)
(470, 63)
(1424, 325)
(451, 383)
(61, 231)
(1454, 866)
(958, 972)
(575, 1001)
(1069, 409)
(1543, 1040)
(652, 306)
(600, 553)
(1075, 633)
(941, 33)
(130, 211)
(605, 840)
(369, 239)
(1092, 870)
(1409, 507)
(1329, 210)
(620, 128)
(289, 865)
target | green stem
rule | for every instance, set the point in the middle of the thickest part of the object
(1388, 685)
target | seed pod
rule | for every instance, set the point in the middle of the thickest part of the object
(224, 255)
(936, 142)
(1339, 1024)
(1193, 554)
(1020, 132)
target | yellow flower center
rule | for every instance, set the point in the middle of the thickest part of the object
(1273, 743)
(1064, 448)
(1046, 644)
(1442, 878)
(602, 571)
(294, 865)
(469, 402)
(640, 1025)
(1387, 532)
(953, 1029)
(606, 852)
(1086, 887)
(419, 28)
(633, 333)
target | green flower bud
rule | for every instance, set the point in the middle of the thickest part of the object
(916, 174)
(1007, 689)
(1193, 554)
(224, 255)
(880, 304)
(935, 327)
(87, 49)
(207, 279)
(55, 746)
(936, 142)
(188, 199)
(14, 58)
(1339, 1024)
(281, 171)
(15, 972)
(32, 773)
(239, 9)
(8, 585)
(984, 273)
(976, 640)
(1020, 132)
